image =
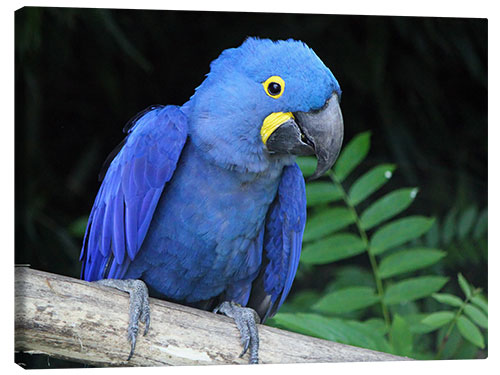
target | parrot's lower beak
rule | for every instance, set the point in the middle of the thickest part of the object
(318, 132)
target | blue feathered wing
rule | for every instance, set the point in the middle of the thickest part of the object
(130, 191)
(284, 228)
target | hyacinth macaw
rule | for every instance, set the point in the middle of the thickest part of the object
(203, 204)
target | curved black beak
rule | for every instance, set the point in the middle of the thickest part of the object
(318, 132)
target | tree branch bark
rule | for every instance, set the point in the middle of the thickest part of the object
(72, 319)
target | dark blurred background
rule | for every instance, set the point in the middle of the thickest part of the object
(418, 84)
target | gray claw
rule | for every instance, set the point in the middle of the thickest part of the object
(246, 320)
(246, 344)
(138, 307)
(132, 339)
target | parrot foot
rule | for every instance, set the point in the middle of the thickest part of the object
(246, 320)
(138, 307)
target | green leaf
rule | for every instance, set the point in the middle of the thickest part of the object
(373, 339)
(402, 337)
(414, 321)
(449, 227)
(464, 285)
(399, 232)
(387, 207)
(413, 289)
(347, 300)
(309, 324)
(404, 309)
(370, 182)
(334, 329)
(352, 154)
(466, 221)
(476, 315)
(432, 235)
(307, 165)
(303, 300)
(480, 302)
(327, 222)
(481, 225)
(321, 192)
(438, 319)
(409, 260)
(350, 275)
(448, 299)
(470, 332)
(376, 324)
(330, 249)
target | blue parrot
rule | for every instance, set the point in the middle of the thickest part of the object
(203, 204)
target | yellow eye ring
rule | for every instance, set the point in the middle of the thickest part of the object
(274, 86)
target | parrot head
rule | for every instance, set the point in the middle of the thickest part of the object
(264, 103)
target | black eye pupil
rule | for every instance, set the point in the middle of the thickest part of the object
(274, 88)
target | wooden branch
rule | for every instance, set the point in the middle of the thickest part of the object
(84, 322)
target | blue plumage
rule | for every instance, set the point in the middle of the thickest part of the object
(127, 199)
(284, 229)
(194, 203)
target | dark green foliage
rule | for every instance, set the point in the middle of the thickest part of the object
(463, 234)
(387, 302)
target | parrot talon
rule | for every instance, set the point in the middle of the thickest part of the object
(246, 344)
(138, 307)
(246, 320)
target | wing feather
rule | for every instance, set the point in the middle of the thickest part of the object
(285, 225)
(130, 191)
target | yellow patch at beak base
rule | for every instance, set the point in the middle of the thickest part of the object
(273, 122)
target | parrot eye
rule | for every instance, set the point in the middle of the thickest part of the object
(274, 86)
